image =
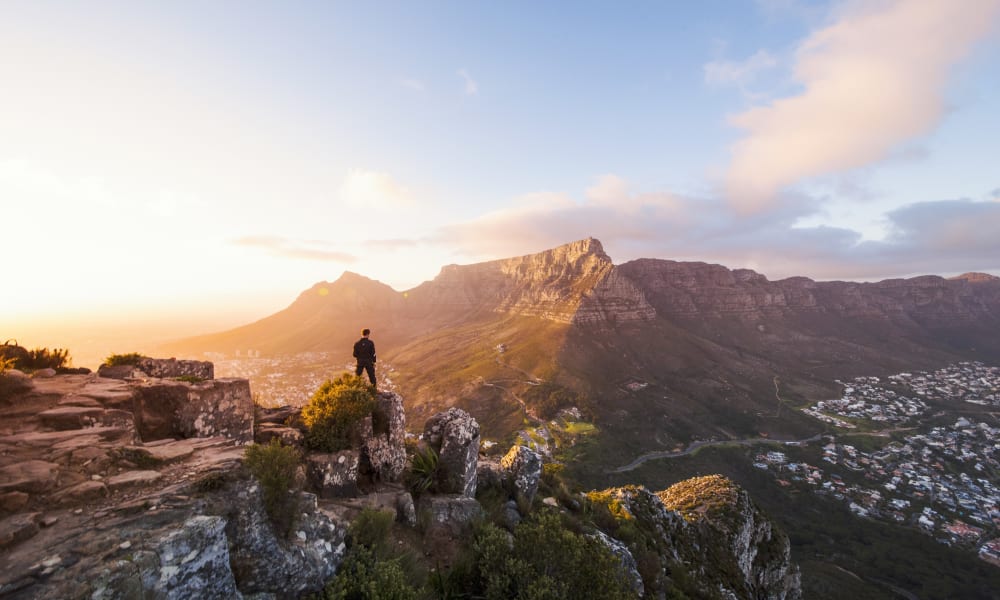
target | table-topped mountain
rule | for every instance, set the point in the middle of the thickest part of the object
(674, 349)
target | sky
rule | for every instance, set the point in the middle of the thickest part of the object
(195, 165)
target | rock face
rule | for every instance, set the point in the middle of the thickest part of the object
(573, 283)
(522, 467)
(383, 449)
(166, 409)
(334, 474)
(721, 539)
(163, 368)
(451, 514)
(87, 512)
(261, 563)
(454, 435)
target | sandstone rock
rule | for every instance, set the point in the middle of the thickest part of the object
(194, 562)
(383, 452)
(72, 438)
(453, 514)
(70, 417)
(454, 435)
(175, 409)
(278, 415)
(289, 436)
(117, 371)
(489, 474)
(17, 528)
(74, 400)
(550, 501)
(219, 407)
(82, 492)
(163, 368)
(522, 467)
(31, 476)
(43, 374)
(132, 478)
(334, 474)
(262, 563)
(13, 501)
(624, 555)
(156, 406)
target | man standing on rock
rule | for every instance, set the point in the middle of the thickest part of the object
(364, 351)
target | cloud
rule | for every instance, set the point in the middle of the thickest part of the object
(471, 87)
(375, 190)
(942, 236)
(871, 81)
(391, 245)
(738, 73)
(287, 248)
(413, 84)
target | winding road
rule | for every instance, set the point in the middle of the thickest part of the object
(697, 445)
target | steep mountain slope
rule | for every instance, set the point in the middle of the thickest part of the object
(666, 351)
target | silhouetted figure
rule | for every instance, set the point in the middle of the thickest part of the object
(364, 351)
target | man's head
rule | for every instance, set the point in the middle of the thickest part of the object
(365, 332)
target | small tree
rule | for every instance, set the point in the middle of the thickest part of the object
(334, 410)
(274, 465)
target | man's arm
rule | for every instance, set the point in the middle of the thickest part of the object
(373, 353)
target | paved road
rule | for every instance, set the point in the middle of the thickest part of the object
(696, 445)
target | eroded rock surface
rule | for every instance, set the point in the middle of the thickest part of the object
(522, 468)
(454, 435)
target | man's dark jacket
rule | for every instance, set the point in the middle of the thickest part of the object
(364, 351)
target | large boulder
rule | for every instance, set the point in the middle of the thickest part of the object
(522, 468)
(218, 407)
(262, 563)
(452, 514)
(454, 435)
(334, 474)
(171, 367)
(194, 562)
(383, 448)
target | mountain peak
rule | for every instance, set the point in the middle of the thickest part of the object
(974, 277)
(580, 248)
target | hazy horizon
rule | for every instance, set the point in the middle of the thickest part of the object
(175, 168)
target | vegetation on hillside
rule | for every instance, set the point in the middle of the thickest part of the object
(22, 359)
(275, 466)
(547, 399)
(116, 360)
(700, 497)
(334, 410)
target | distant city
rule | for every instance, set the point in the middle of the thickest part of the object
(942, 478)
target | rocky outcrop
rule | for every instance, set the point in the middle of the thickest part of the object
(164, 368)
(165, 409)
(722, 542)
(89, 512)
(262, 563)
(522, 468)
(334, 474)
(383, 449)
(451, 514)
(454, 436)
(623, 554)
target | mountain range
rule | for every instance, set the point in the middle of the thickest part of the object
(663, 351)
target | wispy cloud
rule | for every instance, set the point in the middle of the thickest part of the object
(872, 79)
(288, 248)
(739, 73)
(940, 236)
(375, 190)
(413, 84)
(471, 87)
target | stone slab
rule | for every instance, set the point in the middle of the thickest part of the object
(132, 478)
(30, 476)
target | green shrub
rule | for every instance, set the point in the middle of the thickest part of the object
(371, 528)
(17, 357)
(334, 410)
(545, 559)
(362, 576)
(189, 378)
(274, 465)
(423, 470)
(547, 399)
(116, 360)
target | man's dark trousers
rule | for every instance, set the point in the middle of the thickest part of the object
(370, 368)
